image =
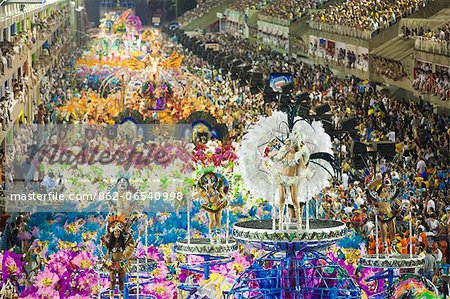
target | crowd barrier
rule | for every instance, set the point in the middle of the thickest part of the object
(343, 30)
(275, 20)
(435, 46)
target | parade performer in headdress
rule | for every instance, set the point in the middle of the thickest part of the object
(384, 198)
(287, 154)
(212, 188)
(120, 246)
(294, 156)
(154, 60)
(122, 187)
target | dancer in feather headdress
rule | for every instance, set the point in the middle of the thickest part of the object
(213, 189)
(286, 153)
(383, 196)
(154, 60)
(120, 246)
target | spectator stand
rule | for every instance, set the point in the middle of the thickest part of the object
(432, 80)
(282, 25)
(393, 61)
(353, 19)
(344, 56)
(242, 15)
(274, 35)
(205, 16)
(430, 35)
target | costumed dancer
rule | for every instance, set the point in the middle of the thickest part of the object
(287, 154)
(121, 205)
(213, 189)
(120, 246)
(294, 156)
(153, 61)
(388, 207)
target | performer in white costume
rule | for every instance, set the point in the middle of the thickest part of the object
(294, 157)
(300, 167)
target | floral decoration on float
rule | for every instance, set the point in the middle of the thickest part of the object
(412, 287)
(155, 96)
(71, 274)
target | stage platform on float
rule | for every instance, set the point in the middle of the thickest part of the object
(260, 234)
(401, 261)
(203, 246)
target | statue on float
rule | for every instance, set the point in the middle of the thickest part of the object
(154, 61)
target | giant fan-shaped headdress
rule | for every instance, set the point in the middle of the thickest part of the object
(281, 127)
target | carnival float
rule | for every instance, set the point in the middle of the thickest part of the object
(195, 213)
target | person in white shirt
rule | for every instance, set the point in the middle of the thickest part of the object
(345, 180)
(348, 210)
(368, 228)
(438, 255)
(359, 201)
(431, 206)
(433, 224)
(391, 136)
(421, 166)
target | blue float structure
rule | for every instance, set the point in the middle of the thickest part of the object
(135, 280)
(392, 265)
(294, 266)
(212, 255)
(212, 251)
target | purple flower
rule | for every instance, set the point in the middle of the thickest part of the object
(11, 265)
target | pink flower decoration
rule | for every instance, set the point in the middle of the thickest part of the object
(77, 296)
(161, 289)
(11, 265)
(48, 293)
(161, 270)
(84, 260)
(46, 280)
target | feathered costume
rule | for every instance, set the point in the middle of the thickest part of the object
(387, 203)
(173, 61)
(262, 177)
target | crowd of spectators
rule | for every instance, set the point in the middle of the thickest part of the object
(421, 138)
(243, 5)
(56, 88)
(11, 51)
(441, 33)
(432, 82)
(428, 40)
(369, 15)
(290, 10)
(391, 69)
(278, 41)
(16, 50)
(202, 8)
